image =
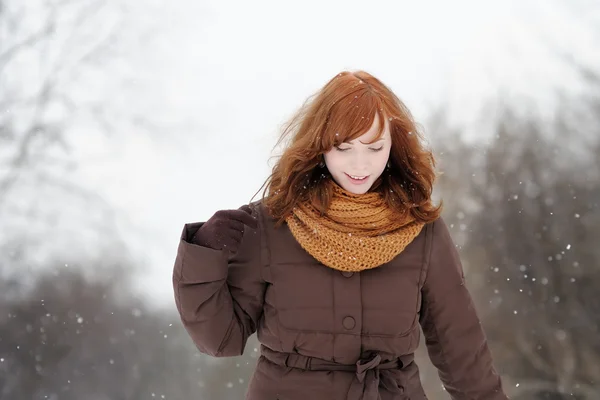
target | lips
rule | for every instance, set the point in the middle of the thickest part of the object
(356, 179)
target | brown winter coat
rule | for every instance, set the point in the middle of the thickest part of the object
(328, 335)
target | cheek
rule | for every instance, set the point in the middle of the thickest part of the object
(383, 157)
(379, 163)
(380, 159)
(333, 161)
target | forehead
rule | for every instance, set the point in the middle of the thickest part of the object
(373, 133)
(359, 115)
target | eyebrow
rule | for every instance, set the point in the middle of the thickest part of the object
(381, 139)
(378, 140)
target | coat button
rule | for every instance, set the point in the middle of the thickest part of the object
(347, 274)
(348, 322)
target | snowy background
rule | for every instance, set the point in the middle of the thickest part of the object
(122, 120)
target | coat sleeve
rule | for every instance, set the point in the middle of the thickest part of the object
(454, 337)
(219, 297)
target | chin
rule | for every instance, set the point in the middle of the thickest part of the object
(357, 189)
(353, 188)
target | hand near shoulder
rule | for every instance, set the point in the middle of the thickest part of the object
(224, 230)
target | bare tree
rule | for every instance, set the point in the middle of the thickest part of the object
(70, 337)
(526, 209)
(47, 48)
(60, 62)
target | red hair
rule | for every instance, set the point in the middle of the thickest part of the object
(341, 111)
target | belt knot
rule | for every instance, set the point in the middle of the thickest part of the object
(370, 373)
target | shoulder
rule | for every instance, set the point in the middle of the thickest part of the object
(258, 209)
(439, 241)
(437, 229)
(433, 230)
(443, 251)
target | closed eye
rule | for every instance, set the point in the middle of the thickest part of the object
(378, 149)
(340, 149)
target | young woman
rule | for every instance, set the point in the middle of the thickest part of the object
(339, 264)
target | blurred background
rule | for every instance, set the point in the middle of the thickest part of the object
(122, 120)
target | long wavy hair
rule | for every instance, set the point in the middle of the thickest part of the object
(341, 111)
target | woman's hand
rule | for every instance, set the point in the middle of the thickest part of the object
(224, 230)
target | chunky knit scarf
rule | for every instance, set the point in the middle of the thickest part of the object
(357, 233)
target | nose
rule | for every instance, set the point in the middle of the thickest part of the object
(359, 162)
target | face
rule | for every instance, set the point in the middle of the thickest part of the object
(356, 165)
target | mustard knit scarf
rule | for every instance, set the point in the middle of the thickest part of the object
(357, 233)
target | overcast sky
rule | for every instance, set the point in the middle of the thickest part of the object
(223, 75)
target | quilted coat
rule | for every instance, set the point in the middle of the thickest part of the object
(331, 335)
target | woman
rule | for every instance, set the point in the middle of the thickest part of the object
(339, 264)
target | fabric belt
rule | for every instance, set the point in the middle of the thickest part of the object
(370, 373)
